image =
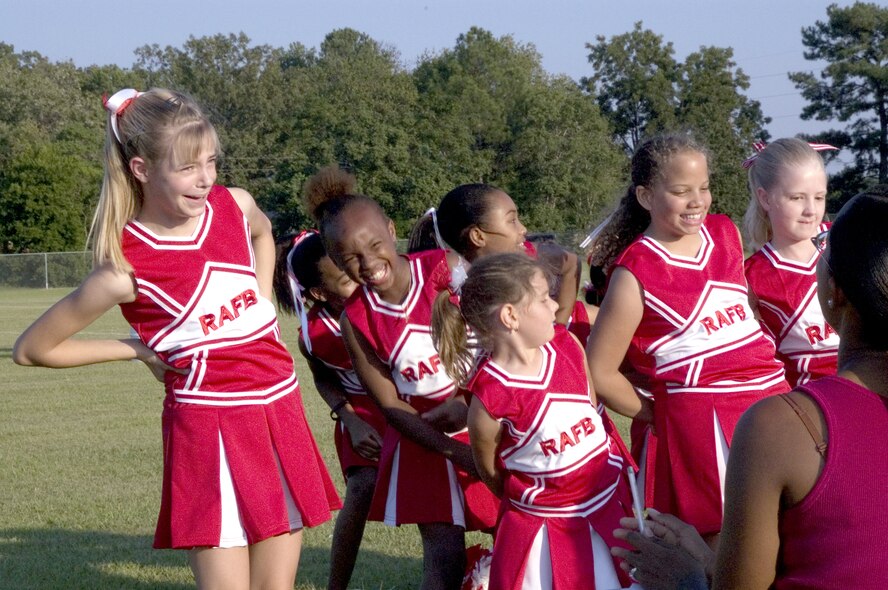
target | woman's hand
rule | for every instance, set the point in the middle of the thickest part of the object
(450, 416)
(364, 438)
(669, 555)
(157, 367)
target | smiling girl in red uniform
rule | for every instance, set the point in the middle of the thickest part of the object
(677, 305)
(190, 264)
(787, 182)
(386, 328)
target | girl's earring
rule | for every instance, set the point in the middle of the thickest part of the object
(829, 303)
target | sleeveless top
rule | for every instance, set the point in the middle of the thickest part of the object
(328, 347)
(787, 296)
(198, 305)
(835, 537)
(401, 333)
(561, 461)
(698, 333)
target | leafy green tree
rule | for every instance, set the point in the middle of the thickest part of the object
(42, 195)
(50, 143)
(724, 119)
(643, 90)
(634, 83)
(489, 112)
(852, 88)
(351, 103)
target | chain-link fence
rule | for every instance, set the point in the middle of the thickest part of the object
(44, 269)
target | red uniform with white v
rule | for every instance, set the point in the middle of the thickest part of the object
(706, 360)
(567, 486)
(240, 464)
(415, 484)
(787, 297)
(580, 326)
(328, 347)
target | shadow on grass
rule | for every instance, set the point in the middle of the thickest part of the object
(32, 559)
(47, 559)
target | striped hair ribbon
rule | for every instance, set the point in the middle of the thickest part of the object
(459, 272)
(117, 104)
(760, 146)
(438, 239)
(297, 290)
(594, 233)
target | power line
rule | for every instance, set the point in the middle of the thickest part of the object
(776, 95)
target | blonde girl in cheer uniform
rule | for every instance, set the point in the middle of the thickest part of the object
(190, 264)
(787, 182)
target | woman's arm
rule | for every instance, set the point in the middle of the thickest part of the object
(261, 237)
(364, 438)
(566, 265)
(484, 432)
(611, 335)
(773, 463)
(374, 375)
(592, 397)
(49, 341)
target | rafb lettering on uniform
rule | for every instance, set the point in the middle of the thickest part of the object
(817, 334)
(720, 318)
(581, 429)
(228, 313)
(422, 369)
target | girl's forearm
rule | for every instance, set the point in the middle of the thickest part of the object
(76, 353)
(405, 420)
(619, 395)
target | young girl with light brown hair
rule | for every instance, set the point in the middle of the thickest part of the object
(190, 264)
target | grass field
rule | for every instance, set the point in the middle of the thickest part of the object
(80, 471)
(80, 467)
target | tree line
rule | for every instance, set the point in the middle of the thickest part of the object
(482, 111)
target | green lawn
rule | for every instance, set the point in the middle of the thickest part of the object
(80, 467)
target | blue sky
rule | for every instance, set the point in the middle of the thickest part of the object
(765, 34)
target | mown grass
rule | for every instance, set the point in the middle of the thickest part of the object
(80, 472)
(80, 469)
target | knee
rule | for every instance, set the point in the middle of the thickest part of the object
(361, 482)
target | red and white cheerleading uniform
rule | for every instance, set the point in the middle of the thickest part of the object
(240, 464)
(328, 347)
(791, 314)
(580, 326)
(706, 361)
(566, 487)
(416, 484)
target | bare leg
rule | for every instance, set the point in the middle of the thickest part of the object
(220, 569)
(443, 556)
(273, 562)
(349, 529)
(267, 565)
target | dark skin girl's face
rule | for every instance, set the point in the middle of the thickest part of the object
(335, 287)
(362, 244)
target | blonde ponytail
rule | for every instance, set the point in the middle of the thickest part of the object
(158, 125)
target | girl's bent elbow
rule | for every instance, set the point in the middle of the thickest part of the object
(21, 357)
